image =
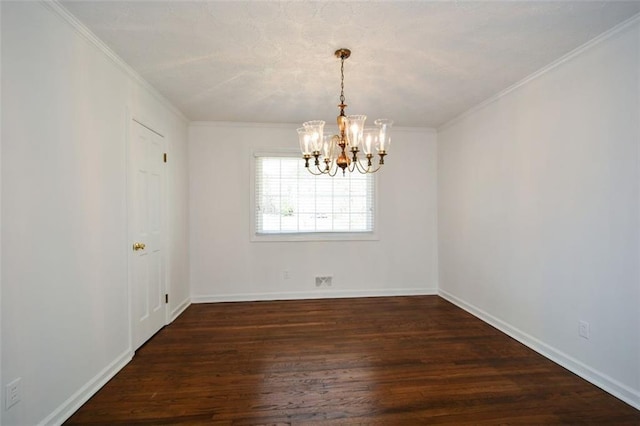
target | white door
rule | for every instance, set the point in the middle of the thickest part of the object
(146, 201)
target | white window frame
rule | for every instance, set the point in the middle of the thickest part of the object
(306, 236)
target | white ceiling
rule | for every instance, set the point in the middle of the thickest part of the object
(420, 63)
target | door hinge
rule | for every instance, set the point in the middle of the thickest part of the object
(164, 157)
(166, 298)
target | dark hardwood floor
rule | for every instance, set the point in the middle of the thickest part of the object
(385, 361)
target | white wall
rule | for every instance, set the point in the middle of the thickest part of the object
(178, 220)
(226, 265)
(65, 317)
(539, 212)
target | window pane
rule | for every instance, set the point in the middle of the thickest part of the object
(289, 199)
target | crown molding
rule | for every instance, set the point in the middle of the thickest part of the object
(243, 124)
(88, 35)
(623, 26)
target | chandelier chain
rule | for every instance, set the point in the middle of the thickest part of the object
(342, 80)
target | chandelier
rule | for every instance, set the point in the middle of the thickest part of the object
(333, 152)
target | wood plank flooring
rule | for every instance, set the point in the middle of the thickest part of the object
(380, 361)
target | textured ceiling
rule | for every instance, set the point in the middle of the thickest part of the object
(420, 63)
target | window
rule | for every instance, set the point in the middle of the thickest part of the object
(291, 202)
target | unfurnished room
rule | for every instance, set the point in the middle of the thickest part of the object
(319, 212)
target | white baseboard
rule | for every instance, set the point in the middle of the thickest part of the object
(603, 381)
(71, 405)
(320, 294)
(179, 309)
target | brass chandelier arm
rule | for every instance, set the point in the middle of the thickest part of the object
(366, 169)
(319, 173)
(328, 170)
(306, 159)
(355, 164)
(362, 169)
(335, 172)
(324, 170)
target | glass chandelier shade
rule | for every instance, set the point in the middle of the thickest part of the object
(332, 152)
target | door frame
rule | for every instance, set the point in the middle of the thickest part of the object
(140, 119)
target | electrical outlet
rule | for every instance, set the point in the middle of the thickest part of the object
(12, 393)
(286, 274)
(324, 281)
(583, 329)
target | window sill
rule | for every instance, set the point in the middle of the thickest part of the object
(316, 236)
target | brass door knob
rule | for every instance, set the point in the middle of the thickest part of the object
(138, 246)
